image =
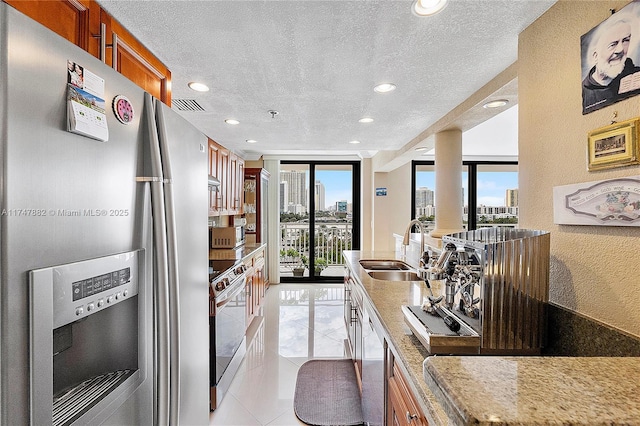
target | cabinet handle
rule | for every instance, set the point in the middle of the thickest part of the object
(114, 51)
(411, 417)
(103, 42)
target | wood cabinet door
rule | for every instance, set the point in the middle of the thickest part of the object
(75, 20)
(85, 24)
(130, 58)
(402, 407)
(250, 295)
(233, 183)
(258, 276)
(223, 176)
(239, 188)
(215, 193)
(236, 183)
(397, 407)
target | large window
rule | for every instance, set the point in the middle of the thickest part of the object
(489, 194)
(319, 211)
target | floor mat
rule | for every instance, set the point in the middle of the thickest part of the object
(327, 393)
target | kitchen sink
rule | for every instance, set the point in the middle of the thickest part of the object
(394, 275)
(384, 265)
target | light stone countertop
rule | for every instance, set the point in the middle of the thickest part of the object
(385, 298)
(239, 253)
(483, 390)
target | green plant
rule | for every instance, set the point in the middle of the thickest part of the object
(320, 264)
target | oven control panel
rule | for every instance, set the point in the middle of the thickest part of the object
(223, 283)
(83, 288)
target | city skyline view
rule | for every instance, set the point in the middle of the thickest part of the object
(492, 186)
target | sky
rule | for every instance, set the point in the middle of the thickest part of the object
(337, 185)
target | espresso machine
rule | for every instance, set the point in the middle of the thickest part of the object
(489, 289)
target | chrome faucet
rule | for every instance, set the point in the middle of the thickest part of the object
(424, 255)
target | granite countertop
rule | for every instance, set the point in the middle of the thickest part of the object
(484, 390)
(239, 253)
(385, 298)
(489, 390)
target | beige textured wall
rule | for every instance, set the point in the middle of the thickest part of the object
(595, 270)
(393, 212)
(367, 199)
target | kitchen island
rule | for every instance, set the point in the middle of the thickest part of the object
(482, 390)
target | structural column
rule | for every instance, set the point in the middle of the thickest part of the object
(273, 224)
(448, 197)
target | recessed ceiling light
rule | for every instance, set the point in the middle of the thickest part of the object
(421, 148)
(384, 87)
(231, 121)
(354, 142)
(198, 87)
(428, 7)
(496, 104)
(251, 141)
(366, 120)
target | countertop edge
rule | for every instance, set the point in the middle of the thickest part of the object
(411, 363)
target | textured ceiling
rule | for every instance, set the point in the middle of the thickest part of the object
(316, 63)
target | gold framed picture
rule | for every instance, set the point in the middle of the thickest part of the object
(615, 145)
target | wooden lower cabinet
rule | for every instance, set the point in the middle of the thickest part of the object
(256, 286)
(402, 408)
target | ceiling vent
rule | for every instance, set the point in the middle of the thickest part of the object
(186, 105)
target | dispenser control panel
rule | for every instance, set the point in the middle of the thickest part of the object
(83, 288)
(92, 286)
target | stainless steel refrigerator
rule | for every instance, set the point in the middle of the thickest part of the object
(103, 247)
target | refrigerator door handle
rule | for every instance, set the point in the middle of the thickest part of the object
(172, 252)
(161, 288)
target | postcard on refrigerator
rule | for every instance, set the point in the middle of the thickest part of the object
(85, 103)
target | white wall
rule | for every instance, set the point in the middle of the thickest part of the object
(595, 270)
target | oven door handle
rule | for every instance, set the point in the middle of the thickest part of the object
(233, 294)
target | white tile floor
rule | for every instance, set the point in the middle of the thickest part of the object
(301, 322)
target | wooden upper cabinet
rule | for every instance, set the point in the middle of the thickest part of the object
(71, 19)
(219, 168)
(228, 168)
(131, 59)
(215, 192)
(236, 183)
(85, 24)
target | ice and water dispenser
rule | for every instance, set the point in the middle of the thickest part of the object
(88, 348)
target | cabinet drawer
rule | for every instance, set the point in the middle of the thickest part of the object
(403, 408)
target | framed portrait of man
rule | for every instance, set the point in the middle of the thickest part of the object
(611, 59)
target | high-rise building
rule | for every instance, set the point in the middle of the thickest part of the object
(511, 198)
(424, 197)
(296, 187)
(284, 196)
(319, 196)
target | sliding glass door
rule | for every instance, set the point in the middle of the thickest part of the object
(319, 218)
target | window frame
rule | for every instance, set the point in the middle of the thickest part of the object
(472, 185)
